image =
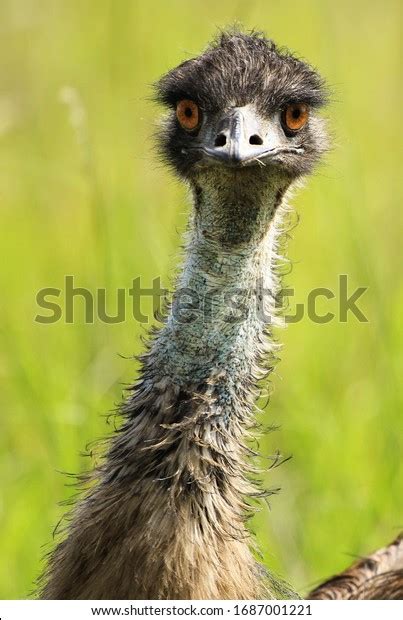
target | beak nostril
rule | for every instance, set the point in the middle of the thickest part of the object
(255, 139)
(221, 140)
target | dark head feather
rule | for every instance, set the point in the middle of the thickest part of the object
(237, 69)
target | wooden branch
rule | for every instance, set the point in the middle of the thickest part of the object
(376, 577)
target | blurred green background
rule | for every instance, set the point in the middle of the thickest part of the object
(82, 193)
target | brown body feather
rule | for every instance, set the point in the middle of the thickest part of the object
(378, 576)
(166, 517)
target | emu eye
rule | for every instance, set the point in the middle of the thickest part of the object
(188, 114)
(295, 116)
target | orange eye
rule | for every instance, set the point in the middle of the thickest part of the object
(295, 116)
(187, 113)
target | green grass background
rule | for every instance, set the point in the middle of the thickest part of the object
(96, 204)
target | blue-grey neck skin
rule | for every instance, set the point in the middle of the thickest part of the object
(224, 300)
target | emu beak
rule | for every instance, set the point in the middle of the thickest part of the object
(238, 138)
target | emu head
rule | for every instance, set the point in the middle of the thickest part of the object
(242, 125)
(243, 103)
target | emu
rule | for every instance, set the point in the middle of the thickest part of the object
(164, 514)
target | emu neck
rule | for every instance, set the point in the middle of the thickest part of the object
(167, 517)
(224, 298)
